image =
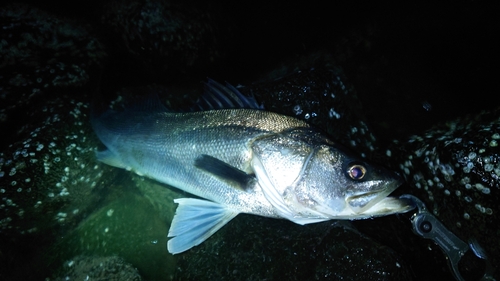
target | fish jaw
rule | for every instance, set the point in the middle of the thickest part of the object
(384, 207)
(373, 201)
(362, 202)
(376, 203)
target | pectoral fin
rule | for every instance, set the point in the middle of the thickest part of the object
(220, 169)
(195, 221)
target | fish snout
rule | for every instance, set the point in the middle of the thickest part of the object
(379, 190)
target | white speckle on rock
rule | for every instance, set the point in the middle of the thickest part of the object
(110, 212)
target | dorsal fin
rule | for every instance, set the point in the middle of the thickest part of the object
(218, 96)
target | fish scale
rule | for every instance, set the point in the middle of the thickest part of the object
(228, 140)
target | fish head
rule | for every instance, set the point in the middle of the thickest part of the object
(339, 185)
(310, 179)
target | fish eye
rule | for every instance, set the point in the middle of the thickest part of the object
(356, 171)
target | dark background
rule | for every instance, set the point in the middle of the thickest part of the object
(412, 63)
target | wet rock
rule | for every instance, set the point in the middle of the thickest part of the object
(322, 96)
(49, 181)
(42, 56)
(168, 40)
(98, 268)
(455, 169)
(253, 248)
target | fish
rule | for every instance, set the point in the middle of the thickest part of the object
(237, 158)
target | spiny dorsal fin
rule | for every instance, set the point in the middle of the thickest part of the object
(218, 96)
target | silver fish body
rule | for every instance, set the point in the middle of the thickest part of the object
(243, 161)
(165, 146)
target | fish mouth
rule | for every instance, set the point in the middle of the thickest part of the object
(377, 201)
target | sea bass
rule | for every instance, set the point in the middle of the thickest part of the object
(242, 160)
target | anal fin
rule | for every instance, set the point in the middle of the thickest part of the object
(195, 221)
